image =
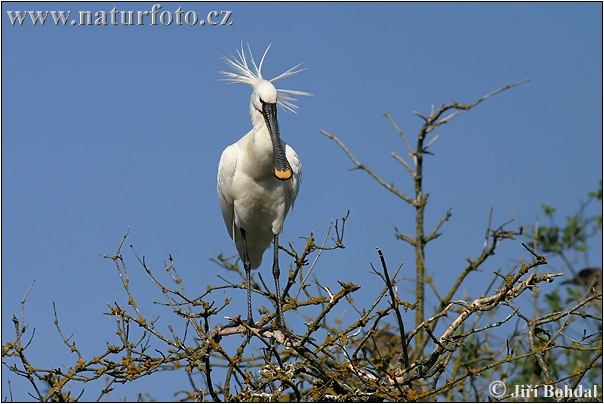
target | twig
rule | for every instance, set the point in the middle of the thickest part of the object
(359, 165)
(400, 132)
(394, 305)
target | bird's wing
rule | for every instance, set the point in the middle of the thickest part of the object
(226, 171)
(296, 180)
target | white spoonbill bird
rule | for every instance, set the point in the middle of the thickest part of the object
(259, 176)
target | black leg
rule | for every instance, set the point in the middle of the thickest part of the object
(248, 276)
(276, 273)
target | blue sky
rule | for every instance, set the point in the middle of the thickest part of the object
(106, 128)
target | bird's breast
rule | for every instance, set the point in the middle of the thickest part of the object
(259, 204)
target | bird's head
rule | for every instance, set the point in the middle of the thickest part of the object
(264, 98)
(264, 93)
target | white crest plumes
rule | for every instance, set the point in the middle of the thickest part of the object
(243, 74)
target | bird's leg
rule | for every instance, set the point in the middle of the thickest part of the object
(248, 275)
(276, 273)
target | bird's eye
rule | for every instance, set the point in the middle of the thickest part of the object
(259, 104)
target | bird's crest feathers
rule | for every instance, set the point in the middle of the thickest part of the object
(243, 74)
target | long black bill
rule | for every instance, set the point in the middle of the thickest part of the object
(281, 167)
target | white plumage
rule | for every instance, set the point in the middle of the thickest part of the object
(251, 198)
(259, 176)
